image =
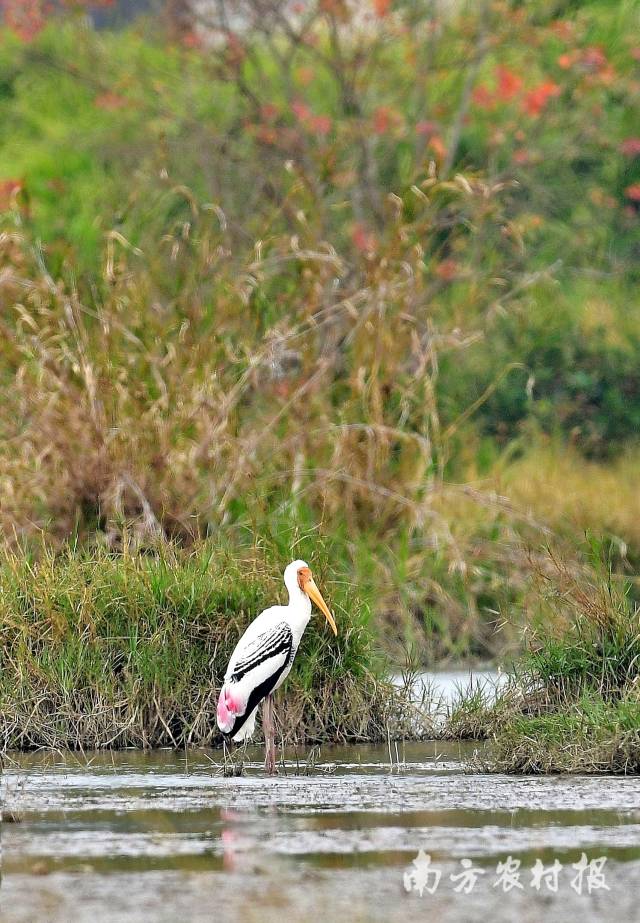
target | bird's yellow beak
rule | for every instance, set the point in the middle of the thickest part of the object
(315, 595)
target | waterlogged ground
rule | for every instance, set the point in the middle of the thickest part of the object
(132, 837)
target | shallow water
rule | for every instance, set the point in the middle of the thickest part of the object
(440, 689)
(160, 837)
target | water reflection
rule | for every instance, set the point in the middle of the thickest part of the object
(133, 836)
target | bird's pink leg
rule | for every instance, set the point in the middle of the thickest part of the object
(268, 728)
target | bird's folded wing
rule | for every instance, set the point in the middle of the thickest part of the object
(271, 650)
(253, 673)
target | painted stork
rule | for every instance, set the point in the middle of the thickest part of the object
(263, 658)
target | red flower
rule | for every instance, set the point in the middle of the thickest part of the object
(447, 270)
(320, 124)
(381, 120)
(483, 97)
(300, 110)
(381, 7)
(567, 60)
(384, 119)
(437, 145)
(509, 83)
(630, 147)
(536, 100)
(317, 124)
(24, 17)
(426, 128)
(269, 112)
(362, 239)
(633, 192)
(192, 40)
(594, 58)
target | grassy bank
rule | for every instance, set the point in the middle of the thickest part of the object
(590, 735)
(573, 702)
(99, 651)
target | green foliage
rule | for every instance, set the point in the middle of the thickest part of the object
(591, 736)
(560, 377)
(586, 637)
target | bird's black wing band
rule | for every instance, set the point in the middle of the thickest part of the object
(267, 645)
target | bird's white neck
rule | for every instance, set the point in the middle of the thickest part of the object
(299, 608)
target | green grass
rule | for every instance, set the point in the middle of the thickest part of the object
(98, 650)
(572, 702)
(591, 736)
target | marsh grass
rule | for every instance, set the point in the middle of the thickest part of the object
(101, 650)
(479, 710)
(572, 704)
(585, 636)
(590, 735)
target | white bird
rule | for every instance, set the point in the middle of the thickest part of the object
(263, 658)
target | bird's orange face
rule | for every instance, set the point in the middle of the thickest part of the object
(307, 585)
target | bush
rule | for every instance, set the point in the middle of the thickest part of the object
(558, 377)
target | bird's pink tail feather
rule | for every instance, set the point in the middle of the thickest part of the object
(229, 705)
